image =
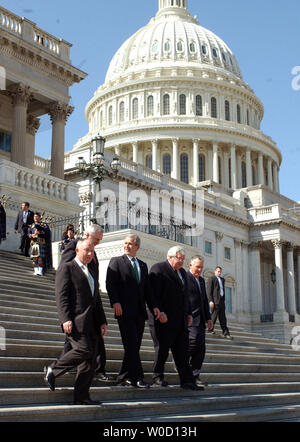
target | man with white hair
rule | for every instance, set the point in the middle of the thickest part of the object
(95, 234)
(168, 281)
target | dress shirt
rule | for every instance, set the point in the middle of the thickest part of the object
(221, 286)
(136, 263)
(87, 274)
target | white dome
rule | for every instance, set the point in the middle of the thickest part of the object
(172, 38)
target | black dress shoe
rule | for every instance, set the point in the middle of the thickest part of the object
(160, 382)
(49, 378)
(191, 386)
(87, 402)
(142, 384)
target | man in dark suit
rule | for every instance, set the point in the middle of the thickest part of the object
(128, 291)
(95, 234)
(2, 223)
(216, 298)
(168, 282)
(22, 224)
(82, 318)
(201, 316)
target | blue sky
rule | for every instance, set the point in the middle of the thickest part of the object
(264, 36)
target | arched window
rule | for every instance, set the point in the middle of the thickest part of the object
(150, 106)
(227, 110)
(135, 108)
(122, 111)
(214, 113)
(201, 167)
(166, 104)
(238, 113)
(149, 161)
(244, 175)
(110, 115)
(199, 111)
(184, 168)
(167, 164)
(182, 104)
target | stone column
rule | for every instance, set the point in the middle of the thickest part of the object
(270, 174)
(175, 173)
(245, 281)
(154, 154)
(33, 125)
(298, 276)
(196, 161)
(219, 251)
(233, 167)
(261, 177)
(59, 113)
(275, 178)
(135, 151)
(215, 163)
(255, 287)
(280, 306)
(248, 168)
(291, 280)
(21, 97)
(238, 275)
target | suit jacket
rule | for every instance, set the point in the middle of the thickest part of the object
(213, 290)
(20, 226)
(122, 287)
(69, 254)
(172, 297)
(75, 301)
(198, 300)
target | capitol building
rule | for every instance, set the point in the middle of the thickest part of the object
(176, 112)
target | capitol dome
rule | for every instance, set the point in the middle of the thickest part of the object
(173, 37)
(174, 100)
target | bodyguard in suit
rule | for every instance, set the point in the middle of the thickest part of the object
(95, 234)
(216, 298)
(2, 223)
(201, 316)
(128, 291)
(168, 281)
(82, 318)
(22, 224)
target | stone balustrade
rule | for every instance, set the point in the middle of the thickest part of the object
(273, 212)
(29, 32)
(37, 182)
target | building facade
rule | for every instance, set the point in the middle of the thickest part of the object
(175, 109)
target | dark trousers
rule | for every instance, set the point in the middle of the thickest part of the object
(176, 339)
(197, 348)
(25, 242)
(82, 355)
(101, 354)
(131, 330)
(219, 312)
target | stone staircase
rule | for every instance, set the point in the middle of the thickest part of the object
(250, 378)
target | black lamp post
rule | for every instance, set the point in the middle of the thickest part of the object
(273, 276)
(97, 170)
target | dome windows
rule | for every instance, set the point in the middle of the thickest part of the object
(215, 52)
(167, 164)
(150, 106)
(179, 46)
(184, 168)
(204, 49)
(135, 108)
(122, 112)
(166, 104)
(213, 104)
(192, 47)
(167, 46)
(199, 111)
(227, 110)
(182, 104)
(155, 48)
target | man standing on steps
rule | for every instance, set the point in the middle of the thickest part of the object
(82, 319)
(201, 316)
(23, 221)
(2, 223)
(95, 234)
(128, 291)
(168, 282)
(216, 298)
